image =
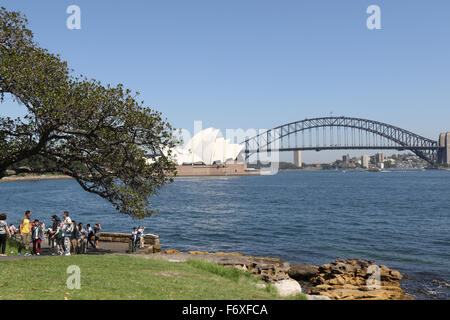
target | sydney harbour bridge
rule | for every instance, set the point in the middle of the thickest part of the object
(343, 133)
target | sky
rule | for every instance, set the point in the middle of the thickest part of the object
(259, 64)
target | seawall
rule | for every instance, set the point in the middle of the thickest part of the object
(233, 169)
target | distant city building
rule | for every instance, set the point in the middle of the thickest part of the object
(298, 158)
(346, 159)
(365, 161)
(379, 157)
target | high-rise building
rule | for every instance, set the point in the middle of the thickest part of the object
(346, 159)
(379, 158)
(298, 158)
(365, 160)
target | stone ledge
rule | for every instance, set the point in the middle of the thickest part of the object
(149, 239)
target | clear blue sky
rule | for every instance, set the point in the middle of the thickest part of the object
(258, 64)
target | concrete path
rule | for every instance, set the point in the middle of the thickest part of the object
(104, 248)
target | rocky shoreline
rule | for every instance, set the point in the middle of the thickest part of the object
(35, 178)
(342, 279)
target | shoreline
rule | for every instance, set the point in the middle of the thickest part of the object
(342, 279)
(35, 178)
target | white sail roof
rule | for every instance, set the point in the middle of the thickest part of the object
(207, 147)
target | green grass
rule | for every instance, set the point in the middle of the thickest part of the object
(232, 274)
(130, 278)
(12, 247)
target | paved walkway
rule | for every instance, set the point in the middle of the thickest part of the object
(104, 248)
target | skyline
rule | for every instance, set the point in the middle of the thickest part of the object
(261, 64)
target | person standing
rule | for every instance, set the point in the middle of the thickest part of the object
(36, 237)
(42, 231)
(49, 238)
(134, 239)
(12, 230)
(90, 233)
(53, 230)
(67, 229)
(4, 234)
(73, 239)
(141, 237)
(25, 234)
(82, 238)
(58, 239)
(97, 229)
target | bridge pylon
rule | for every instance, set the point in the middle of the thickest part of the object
(444, 148)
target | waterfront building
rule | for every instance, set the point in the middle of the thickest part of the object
(208, 148)
(346, 159)
(379, 157)
(365, 160)
(298, 158)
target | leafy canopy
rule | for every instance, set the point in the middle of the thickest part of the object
(94, 133)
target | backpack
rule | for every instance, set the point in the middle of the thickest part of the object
(70, 228)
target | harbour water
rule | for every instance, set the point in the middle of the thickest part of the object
(398, 218)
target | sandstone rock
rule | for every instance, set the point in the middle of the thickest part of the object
(347, 279)
(301, 272)
(171, 251)
(198, 252)
(287, 288)
(149, 250)
(242, 267)
(317, 297)
(229, 254)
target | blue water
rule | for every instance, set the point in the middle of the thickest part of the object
(399, 218)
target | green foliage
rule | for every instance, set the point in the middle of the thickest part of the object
(97, 134)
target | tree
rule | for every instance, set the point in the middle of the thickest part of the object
(96, 134)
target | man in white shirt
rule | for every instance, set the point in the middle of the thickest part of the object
(67, 229)
(141, 236)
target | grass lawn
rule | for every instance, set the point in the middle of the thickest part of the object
(130, 278)
(12, 248)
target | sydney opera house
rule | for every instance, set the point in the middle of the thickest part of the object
(209, 154)
(207, 148)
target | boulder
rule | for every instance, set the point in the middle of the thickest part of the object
(347, 279)
(149, 250)
(286, 288)
(157, 248)
(302, 272)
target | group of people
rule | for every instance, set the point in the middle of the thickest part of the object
(137, 238)
(65, 236)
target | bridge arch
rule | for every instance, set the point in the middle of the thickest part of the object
(388, 137)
